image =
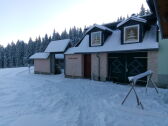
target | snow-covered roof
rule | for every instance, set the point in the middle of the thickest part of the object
(40, 55)
(113, 44)
(100, 27)
(132, 18)
(57, 46)
(59, 56)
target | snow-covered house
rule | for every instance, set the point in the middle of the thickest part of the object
(49, 61)
(41, 62)
(115, 51)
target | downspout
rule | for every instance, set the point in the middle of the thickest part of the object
(98, 56)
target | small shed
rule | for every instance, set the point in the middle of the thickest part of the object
(52, 59)
(41, 63)
(56, 50)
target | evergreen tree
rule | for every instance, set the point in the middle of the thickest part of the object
(120, 18)
(9, 56)
(30, 48)
(142, 11)
(45, 42)
(12, 55)
(1, 56)
(57, 36)
(38, 44)
(20, 53)
(54, 36)
(148, 12)
(64, 35)
(6, 58)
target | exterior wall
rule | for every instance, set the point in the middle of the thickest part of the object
(95, 66)
(74, 65)
(153, 64)
(42, 66)
(163, 63)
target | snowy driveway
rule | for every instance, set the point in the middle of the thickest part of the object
(27, 99)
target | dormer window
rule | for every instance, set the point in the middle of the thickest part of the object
(96, 39)
(131, 34)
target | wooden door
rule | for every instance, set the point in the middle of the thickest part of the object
(87, 66)
(116, 67)
(123, 65)
(136, 64)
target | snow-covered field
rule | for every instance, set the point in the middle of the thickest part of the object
(27, 99)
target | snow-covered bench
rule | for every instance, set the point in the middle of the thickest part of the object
(133, 80)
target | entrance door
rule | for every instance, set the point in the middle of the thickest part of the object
(87, 66)
(123, 65)
(136, 64)
(116, 67)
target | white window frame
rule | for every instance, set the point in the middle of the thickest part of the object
(125, 33)
(100, 38)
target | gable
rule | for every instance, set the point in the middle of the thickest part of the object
(131, 22)
(132, 19)
(100, 27)
(103, 36)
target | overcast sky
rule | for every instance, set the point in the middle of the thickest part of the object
(22, 19)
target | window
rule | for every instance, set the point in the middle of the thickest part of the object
(131, 34)
(96, 38)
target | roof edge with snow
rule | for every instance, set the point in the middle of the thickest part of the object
(113, 44)
(132, 18)
(58, 46)
(40, 55)
(100, 27)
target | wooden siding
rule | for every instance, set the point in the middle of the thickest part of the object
(74, 65)
(42, 66)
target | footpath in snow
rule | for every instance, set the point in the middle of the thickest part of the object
(27, 99)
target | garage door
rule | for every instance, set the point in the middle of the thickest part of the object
(122, 65)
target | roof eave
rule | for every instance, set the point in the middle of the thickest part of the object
(164, 35)
(125, 21)
(115, 51)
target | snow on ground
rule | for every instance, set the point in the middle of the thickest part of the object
(27, 99)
